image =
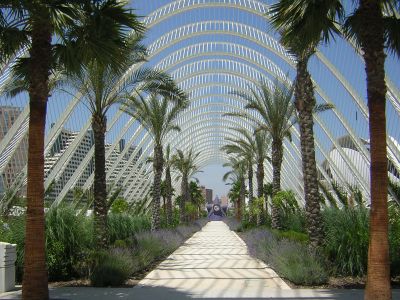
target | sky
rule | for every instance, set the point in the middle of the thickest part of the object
(211, 178)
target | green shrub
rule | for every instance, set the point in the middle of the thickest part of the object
(124, 226)
(298, 263)
(119, 206)
(394, 238)
(175, 218)
(294, 221)
(110, 268)
(68, 238)
(290, 259)
(346, 239)
(291, 235)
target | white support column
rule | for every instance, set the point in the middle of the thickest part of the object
(8, 256)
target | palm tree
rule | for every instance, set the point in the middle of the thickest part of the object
(286, 18)
(237, 175)
(186, 165)
(101, 87)
(262, 144)
(276, 116)
(53, 32)
(373, 37)
(244, 147)
(196, 197)
(168, 183)
(158, 115)
(373, 26)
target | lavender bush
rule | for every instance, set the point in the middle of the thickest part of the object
(290, 259)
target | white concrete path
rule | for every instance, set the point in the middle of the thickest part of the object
(215, 262)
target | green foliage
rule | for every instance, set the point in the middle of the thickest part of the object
(196, 196)
(394, 238)
(70, 250)
(328, 195)
(256, 205)
(340, 193)
(268, 188)
(122, 226)
(190, 211)
(296, 262)
(110, 268)
(291, 235)
(175, 218)
(286, 202)
(13, 232)
(346, 239)
(294, 221)
(290, 259)
(68, 236)
(119, 206)
(395, 187)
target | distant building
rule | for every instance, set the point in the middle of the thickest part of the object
(64, 140)
(217, 200)
(8, 116)
(209, 196)
(224, 201)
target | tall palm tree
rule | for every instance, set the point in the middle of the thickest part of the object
(373, 26)
(168, 183)
(196, 197)
(276, 114)
(158, 115)
(244, 147)
(237, 175)
(185, 163)
(101, 87)
(262, 145)
(53, 32)
(288, 18)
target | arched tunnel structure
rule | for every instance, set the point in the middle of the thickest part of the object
(210, 47)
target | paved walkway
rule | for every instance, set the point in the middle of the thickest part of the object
(212, 264)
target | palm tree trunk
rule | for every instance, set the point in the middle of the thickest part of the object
(372, 41)
(158, 169)
(260, 190)
(99, 126)
(305, 103)
(35, 273)
(250, 175)
(242, 195)
(168, 186)
(260, 179)
(184, 197)
(277, 156)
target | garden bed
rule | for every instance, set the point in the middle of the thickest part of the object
(287, 252)
(72, 260)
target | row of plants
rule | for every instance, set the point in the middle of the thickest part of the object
(344, 251)
(105, 39)
(276, 112)
(71, 253)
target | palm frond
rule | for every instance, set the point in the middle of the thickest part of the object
(318, 108)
